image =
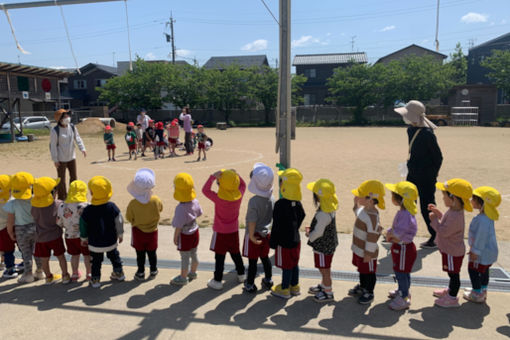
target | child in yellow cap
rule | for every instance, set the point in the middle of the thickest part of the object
(101, 226)
(288, 214)
(322, 236)
(401, 234)
(227, 202)
(7, 245)
(143, 212)
(68, 218)
(49, 234)
(367, 230)
(186, 235)
(21, 225)
(483, 250)
(450, 235)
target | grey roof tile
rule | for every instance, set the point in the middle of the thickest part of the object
(330, 58)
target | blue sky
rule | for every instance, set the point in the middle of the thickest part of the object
(206, 28)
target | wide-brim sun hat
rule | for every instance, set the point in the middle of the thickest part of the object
(458, 187)
(408, 192)
(141, 185)
(325, 190)
(372, 189)
(414, 113)
(101, 190)
(290, 187)
(43, 186)
(229, 186)
(77, 192)
(184, 188)
(491, 200)
(21, 185)
(262, 180)
(59, 113)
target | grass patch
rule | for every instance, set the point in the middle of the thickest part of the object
(37, 132)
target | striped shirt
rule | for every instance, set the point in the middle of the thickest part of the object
(365, 234)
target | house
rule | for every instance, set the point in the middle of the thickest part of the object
(82, 87)
(317, 68)
(123, 66)
(244, 62)
(412, 50)
(476, 73)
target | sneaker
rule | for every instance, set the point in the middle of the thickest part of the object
(366, 298)
(94, 283)
(39, 275)
(440, 292)
(139, 276)
(2, 266)
(179, 281)
(447, 301)
(66, 278)
(89, 277)
(474, 296)
(10, 273)
(20, 267)
(250, 288)
(76, 276)
(26, 278)
(399, 303)
(52, 279)
(241, 278)
(315, 289)
(266, 283)
(198, 159)
(153, 274)
(192, 276)
(295, 290)
(393, 294)
(213, 284)
(281, 293)
(428, 245)
(118, 276)
(355, 291)
(204, 159)
(323, 296)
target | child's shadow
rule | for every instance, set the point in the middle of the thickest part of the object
(227, 308)
(258, 313)
(298, 314)
(347, 315)
(505, 330)
(109, 289)
(158, 292)
(385, 265)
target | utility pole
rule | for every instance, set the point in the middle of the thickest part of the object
(437, 27)
(170, 37)
(353, 39)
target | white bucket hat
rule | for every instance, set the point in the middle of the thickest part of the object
(141, 186)
(414, 113)
(261, 182)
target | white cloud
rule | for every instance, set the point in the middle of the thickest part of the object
(503, 22)
(473, 17)
(257, 45)
(150, 56)
(181, 52)
(306, 40)
(388, 28)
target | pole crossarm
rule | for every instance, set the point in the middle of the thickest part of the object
(34, 4)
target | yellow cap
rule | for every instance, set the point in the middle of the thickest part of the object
(21, 185)
(373, 189)
(77, 192)
(409, 194)
(458, 187)
(101, 190)
(43, 186)
(229, 186)
(491, 200)
(184, 187)
(5, 188)
(325, 190)
(291, 184)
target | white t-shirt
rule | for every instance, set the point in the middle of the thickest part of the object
(144, 121)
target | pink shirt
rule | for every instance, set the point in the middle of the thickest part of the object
(450, 232)
(226, 213)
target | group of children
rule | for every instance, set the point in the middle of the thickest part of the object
(157, 137)
(34, 219)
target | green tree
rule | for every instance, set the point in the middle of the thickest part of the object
(184, 85)
(498, 65)
(458, 66)
(263, 88)
(297, 82)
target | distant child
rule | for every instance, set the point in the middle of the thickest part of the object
(101, 225)
(322, 236)
(201, 139)
(131, 139)
(288, 214)
(367, 229)
(143, 212)
(21, 225)
(173, 136)
(259, 218)
(68, 217)
(160, 140)
(450, 235)
(7, 245)
(110, 143)
(186, 236)
(139, 138)
(401, 234)
(148, 137)
(49, 234)
(483, 250)
(225, 238)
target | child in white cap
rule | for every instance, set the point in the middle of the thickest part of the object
(143, 212)
(259, 217)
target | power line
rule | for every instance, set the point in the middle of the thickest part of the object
(264, 3)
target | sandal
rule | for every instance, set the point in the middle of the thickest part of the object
(323, 296)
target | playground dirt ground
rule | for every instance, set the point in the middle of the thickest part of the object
(347, 156)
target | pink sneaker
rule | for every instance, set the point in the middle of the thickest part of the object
(440, 292)
(393, 293)
(474, 296)
(447, 301)
(399, 303)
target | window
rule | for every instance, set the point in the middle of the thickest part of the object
(310, 73)
(100, 82)
(80, 84)
(309, 99)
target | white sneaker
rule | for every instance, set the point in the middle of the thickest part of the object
(241, 278)
(39, 275)
(213, 284)
(26, 278)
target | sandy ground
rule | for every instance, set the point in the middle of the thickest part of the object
(347, 156)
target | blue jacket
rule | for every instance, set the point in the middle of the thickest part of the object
(482, 239)
(101, 225)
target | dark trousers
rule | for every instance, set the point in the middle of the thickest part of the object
(140, 260)
(219, 266)
(290, 277)
(9, 259)
(477, 279)
(426, 186)
(252, 269)
(367, 282)
(97, 260)
(188, 143)
(61, 173)
(454, 285)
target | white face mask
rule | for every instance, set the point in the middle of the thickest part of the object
(66, 121)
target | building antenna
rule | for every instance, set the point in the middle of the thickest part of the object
(353, 39)
(437, 27)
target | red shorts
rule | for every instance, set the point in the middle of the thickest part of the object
(43, 249)
(201, 146)
(369, 267)
(132, 147)
(6, 243)
(160, 143)
(188, 242)
(481, 268)
(172, 140)
(144, 241)
(287, 258)
(452, 264)
(403, 256)
(223, 243)
(254, 251)
(322, 260)
(74, 247)
(110, 147)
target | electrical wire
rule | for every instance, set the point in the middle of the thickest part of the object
(265, 5)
